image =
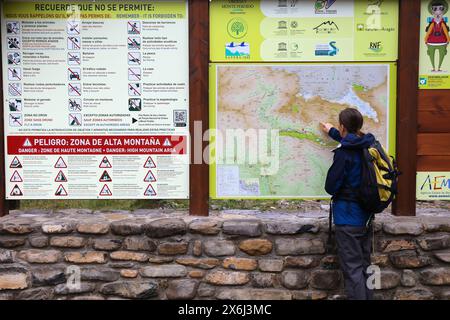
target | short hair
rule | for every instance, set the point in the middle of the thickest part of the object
(351, 119)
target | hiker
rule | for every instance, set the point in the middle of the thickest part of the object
(352, 225)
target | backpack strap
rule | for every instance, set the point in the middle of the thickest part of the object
(329, 247)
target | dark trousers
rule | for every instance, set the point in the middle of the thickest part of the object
(354, 246)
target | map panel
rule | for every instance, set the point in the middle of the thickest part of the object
(277, 109)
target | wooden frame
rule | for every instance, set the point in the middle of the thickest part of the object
(199, 63)
(5, 205)
(198, 103)
(4, 208)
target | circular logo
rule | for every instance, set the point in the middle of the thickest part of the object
(237, 28)
(320, 4)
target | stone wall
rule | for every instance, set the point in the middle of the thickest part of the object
(152, 255)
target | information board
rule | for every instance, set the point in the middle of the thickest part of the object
(96, 99)
(307, 30)
(434, 63)
(265, 119)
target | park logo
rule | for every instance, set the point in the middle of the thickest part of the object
(323, 7)
(326, 27)
(435, 183)
(237, 28)
(433, 186)
(376, 47)
(327, 49)
(237, 50)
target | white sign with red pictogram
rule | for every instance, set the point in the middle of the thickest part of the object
(61, 177)
(105, 177)
(150, 191)
(16, 177)
(96, 101)
(60, 163)
(105, 163)
(61, 191)
(106, 191)
(149, 163)
(16, 191)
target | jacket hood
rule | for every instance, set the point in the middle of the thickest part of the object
(353, 141)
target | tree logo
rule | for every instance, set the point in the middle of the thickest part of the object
(237, 28)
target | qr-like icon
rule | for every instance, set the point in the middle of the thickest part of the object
(179, 118)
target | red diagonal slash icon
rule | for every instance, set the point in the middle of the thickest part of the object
(133, 43)
(74, 89)
(133, 28)
(73, 28)
(14, 88)
(134, 89)
(14, 73)
(138, 76)
(75, 58)
(75, 44)
(133, 58)
(75, 119)
(77, 76)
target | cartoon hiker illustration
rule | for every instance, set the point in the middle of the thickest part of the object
(437, 32)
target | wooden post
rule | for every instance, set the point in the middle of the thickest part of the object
(4, 206)
(198, 105)
(407, 102)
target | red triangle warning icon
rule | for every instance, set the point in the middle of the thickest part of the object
(15, 164)
(60, 164)
(61, 177)
(16, 192)
(105, 163)
(149, 163)
(105, 191)
(150, 177)
(61, 191)
(150, 192)
(16, 177)
(105, 177)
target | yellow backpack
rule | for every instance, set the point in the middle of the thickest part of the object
(379, 178)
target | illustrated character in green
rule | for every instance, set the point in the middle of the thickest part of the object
(437, 37)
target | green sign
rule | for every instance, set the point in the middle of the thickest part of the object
(322, 30)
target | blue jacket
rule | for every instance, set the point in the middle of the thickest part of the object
(346, 172)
